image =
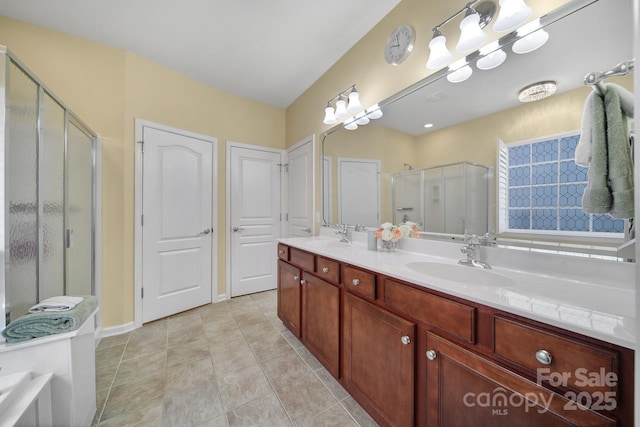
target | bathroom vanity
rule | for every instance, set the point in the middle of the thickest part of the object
(417, 341)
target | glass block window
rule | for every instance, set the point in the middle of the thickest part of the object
(541, 187)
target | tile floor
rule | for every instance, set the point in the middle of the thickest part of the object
(231, 363)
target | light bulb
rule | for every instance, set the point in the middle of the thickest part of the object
(362, 119)
(439, 55)
(351, 124)
(329, 116)
(354, 102)
(471, 35)
(512, 13)
(374, 112)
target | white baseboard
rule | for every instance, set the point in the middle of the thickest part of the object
(117, 330)
(220, 298)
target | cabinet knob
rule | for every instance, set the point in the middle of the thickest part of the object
(281, 252)
(302, 282)
(296, 278)
(431, 354)
(405, 340)
(325, 269)
(355, 282)
(544, 357)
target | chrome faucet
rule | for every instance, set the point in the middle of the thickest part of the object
(343, 230)
(472, 247)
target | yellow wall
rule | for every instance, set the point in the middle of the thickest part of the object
(108, 88)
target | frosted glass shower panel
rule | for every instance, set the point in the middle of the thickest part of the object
(21, 192)
(79, 211)
(477, 199)
(433, 201)
(455, 198)
(407, 197)
(51, 182)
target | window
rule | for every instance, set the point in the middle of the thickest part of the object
(541, 187)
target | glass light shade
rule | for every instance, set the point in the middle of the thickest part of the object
(362, 119)
(439, 55)
(471, 35)
(329, 116)
(354, 102)
(491, 57)
(537, 91)
(512, 13)
(351, 124)
(532, 37)
(460, 71)
(374, 112)
(341, 109)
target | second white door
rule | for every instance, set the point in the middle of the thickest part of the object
(254, 217)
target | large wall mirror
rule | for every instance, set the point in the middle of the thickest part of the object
(362, 169)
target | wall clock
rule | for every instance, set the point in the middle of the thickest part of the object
(400, 44)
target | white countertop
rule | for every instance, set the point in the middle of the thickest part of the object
(604, 310)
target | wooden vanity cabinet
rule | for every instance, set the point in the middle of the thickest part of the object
(289, 297)
(378, 361)
(321, 321)
(465, 389)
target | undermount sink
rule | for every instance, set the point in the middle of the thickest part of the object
(460, 274)
(329, 243)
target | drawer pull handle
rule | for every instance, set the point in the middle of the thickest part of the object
(405, 340)
(325, 269)
(431, 354)
(302, 282)
(296, 278)
(281, 252)
(355, 282)
(544, 357)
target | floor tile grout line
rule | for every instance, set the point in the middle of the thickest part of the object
(113, 380)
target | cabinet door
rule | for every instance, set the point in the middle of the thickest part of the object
(321, 321)
(378, 361)
(464, 389)
(289, 296)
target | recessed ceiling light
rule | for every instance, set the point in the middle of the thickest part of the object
(428, 125)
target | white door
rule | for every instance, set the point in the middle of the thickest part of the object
(300, 189)
(177, 222)
(254, 197)
(359, 192)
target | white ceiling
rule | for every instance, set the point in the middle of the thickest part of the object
(267, 50)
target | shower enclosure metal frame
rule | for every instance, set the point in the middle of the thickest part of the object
(8, 60)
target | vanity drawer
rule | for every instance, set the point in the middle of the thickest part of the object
(283, 252)
(451, 316)
(359, 282)
(302, 259)
(328, 270)
(572, 363)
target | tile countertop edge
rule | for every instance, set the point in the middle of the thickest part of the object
(569, 311)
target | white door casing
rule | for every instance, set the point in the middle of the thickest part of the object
(359, 192)
(327, 194)
(300, 188)
(254, 189)
(176, 203)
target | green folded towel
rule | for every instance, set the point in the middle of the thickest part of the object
(36, 325)
(597, 196)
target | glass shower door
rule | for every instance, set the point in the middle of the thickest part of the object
(79, 229)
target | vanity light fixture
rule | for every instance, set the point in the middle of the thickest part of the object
(460, 71)
(532, 36)
(349, 110)
(471, 34)
(491, 56)
(537, 91)
(512, 13)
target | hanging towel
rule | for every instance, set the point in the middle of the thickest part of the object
(597, 196)
(620, 168)
(626, 99)
(583, 149)
(36, 325)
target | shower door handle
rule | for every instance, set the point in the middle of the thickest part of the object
(68, 238)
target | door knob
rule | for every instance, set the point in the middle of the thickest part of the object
(236, 229)
(206, 231)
